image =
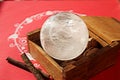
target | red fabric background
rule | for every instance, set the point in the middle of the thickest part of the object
(15, 12)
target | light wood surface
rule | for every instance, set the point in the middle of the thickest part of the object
(46, 61)
(106, 28)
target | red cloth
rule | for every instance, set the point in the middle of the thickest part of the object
(13, 13)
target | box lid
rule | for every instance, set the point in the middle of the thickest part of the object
(107, 29)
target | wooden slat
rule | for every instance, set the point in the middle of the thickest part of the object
(101, 41)
(46, 61)
(106, 28)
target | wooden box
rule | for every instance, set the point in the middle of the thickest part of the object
(100, 53)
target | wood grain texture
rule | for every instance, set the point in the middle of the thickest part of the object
(106, 28)
(100, 40)
(46, 61)
(102, 59)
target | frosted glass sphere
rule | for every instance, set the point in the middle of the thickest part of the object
(64, 36)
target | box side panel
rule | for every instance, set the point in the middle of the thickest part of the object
(78, 70)
(45, 61)
(89, 66)
(102, 60)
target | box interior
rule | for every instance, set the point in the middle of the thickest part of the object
(92, 44)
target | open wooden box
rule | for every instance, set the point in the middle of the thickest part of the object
(100, 54)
